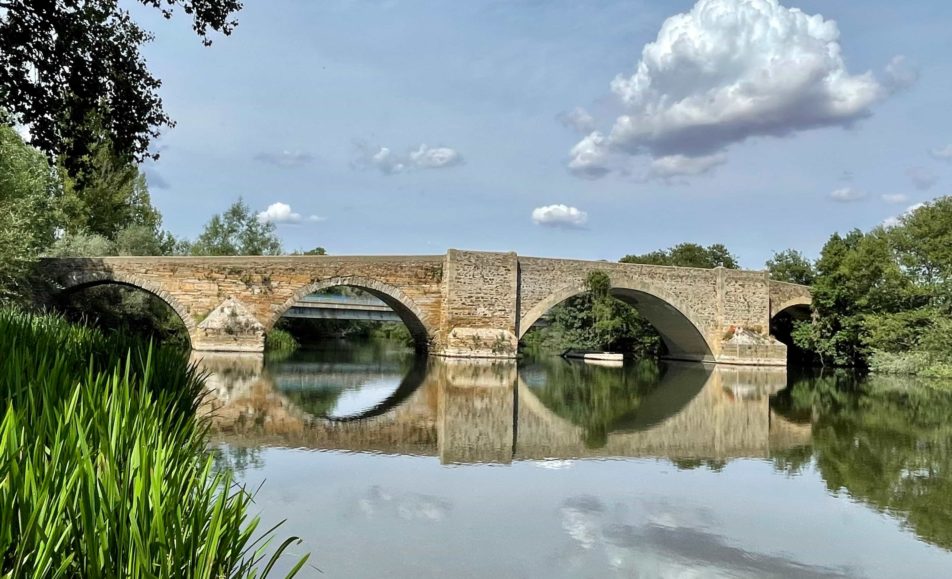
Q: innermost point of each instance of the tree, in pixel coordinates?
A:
(790, 266)
(109, 195)
(68, 67)
(687, 255)
(28, 189)
(237, 231)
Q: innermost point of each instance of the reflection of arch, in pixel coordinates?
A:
(678, 386)
(89, 279)
(392, 296)
(674, 320)
(407, 386)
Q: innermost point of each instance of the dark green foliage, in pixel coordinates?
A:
(28, 190)
(237, 231)
(71, 69)
(790, 266)
(687, 255)
(885, 292)
(103, 471)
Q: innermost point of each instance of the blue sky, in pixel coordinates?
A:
(412, 127)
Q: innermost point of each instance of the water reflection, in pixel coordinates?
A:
(466, 411)
(761, 473)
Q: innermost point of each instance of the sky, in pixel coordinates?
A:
(577, 129)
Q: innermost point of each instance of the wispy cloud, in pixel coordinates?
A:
(847, 195)
(286, 159)
(423, 157)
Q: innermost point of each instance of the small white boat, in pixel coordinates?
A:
(595, 356)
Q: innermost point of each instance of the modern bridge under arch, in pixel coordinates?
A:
(673, 321)
(408, 312)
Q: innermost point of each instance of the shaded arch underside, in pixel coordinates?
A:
(88, 280)
(396, 299)
(798, 309)
(681, 336)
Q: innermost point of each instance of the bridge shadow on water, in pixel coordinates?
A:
(471, 411)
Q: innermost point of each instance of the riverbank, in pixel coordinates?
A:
(103, 466)
(919, 364)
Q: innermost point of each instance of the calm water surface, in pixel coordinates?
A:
(391, 466)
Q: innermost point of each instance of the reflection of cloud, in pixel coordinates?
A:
(365, 397)
(407, 506)
(671, 541)
(551, 464)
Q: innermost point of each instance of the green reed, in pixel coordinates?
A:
(103, 469)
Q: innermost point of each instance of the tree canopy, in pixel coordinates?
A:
(237, 231)
(790, 266)
(69, 68)
(687, 255)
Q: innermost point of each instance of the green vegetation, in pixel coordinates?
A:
(280, 341)
(883, 299)
(688, 255)
(103, 470)
(237, 231)
(72, 71)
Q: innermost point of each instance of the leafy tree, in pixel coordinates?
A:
(109, 195)
(688, 255)
(69, 67)
(237, 231)
(790, 266)
(28, 189)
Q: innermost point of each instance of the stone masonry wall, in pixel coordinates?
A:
(479, 304)
(469, 304)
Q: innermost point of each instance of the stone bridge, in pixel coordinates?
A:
(461, 304)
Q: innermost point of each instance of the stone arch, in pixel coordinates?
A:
(799, 305)
(79, 281)
(409, 312)
(675, 321)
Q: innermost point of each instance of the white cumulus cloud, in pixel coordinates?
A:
(847, 195)
(942, 153)
(388, 162)
(897, 219)
(559, 215)
(729, 70)
(282, 213)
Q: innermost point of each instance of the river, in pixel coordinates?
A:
(387, 465)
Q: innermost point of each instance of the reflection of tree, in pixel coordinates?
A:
(886, 446)
(596, 398)
(315, 401)
(236, 458)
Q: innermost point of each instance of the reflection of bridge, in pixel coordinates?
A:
(334, 307)
(464, 412)
(461, 304)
